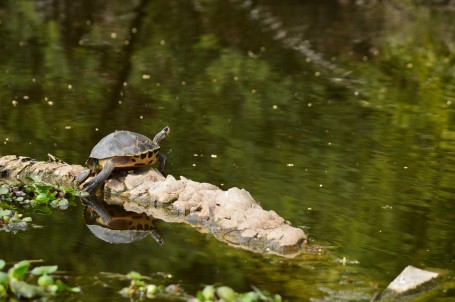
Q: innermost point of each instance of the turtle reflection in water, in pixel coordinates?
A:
(114, 224)
(122, 150)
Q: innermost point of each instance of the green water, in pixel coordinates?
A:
(339, 117)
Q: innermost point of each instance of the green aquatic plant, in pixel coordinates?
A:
(11, 220)
(140, 289)
(36, 195)
(19, 282)
(227, 294)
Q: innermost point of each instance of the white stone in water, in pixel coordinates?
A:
(410, 278)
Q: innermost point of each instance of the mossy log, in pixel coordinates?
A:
(232, 216)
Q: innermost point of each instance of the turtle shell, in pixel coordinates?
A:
(123, 143)
(129, 149)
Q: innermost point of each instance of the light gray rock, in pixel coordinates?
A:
(411, 281)
(411, 278)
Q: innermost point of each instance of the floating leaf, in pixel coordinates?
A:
(42, 198)
(250, 297)
(200, 296)
(277, 298)
(134, 275)
(4, 280)
(2, 263)
(208, 292)
(19, 270)
(4, 190)
(44, 270)
(45, 280)
(151, 290)
(23, 289)
(3, 292)
(34, 177)
(63, 287)
(42, 188)
(68, 190)
(29, 189)
(54, 203)
(53, 288)
(226, 293)
(5, 213)
(63, 203)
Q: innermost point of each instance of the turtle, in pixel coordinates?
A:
(122, 150)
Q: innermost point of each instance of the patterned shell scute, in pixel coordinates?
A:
(121, 143)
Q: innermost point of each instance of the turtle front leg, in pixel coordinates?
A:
(99, 179)
(162, 160)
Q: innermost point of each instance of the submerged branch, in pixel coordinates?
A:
(232, 216)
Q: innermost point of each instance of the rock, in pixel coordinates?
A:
(411, 280)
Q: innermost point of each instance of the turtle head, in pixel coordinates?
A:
(161, 135)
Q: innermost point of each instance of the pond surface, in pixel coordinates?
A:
(338, 116)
